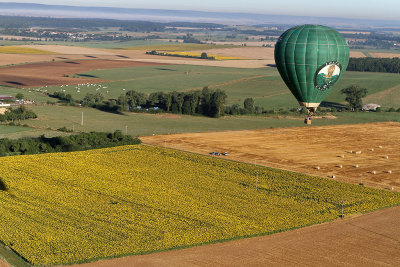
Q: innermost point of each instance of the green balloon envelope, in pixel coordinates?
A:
(310, 59)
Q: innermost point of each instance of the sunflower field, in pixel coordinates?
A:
(62, 208)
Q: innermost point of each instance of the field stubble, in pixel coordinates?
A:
(323, 151)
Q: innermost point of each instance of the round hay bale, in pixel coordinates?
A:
(389, 171)
(385, 157)
(371, 149)
(373, 172)
(341, 156)
(380, 146)
(340, 166)
(358, 152)
(356, 166)
(317, 167)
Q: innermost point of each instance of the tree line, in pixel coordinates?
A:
(370, 64)
(78, 142)
(20, 113)
(205, 102)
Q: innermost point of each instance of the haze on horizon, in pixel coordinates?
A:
(382, 10)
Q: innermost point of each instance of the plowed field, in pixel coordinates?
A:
(364, 153)
(55, 73)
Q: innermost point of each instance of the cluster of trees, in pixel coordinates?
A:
(63, 96)
(374, 39)
(96, 23)
(247, 109)
(390, 65)
(202, 56)
(189, 39)
(205, 102)
(20, 113)
(82, 141)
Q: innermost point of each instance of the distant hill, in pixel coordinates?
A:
(158, 15)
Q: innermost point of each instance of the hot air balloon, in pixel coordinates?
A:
(310, 60)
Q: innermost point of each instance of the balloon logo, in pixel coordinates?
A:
(310, 60)
(327, 75)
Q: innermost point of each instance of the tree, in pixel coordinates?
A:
(354, 95)
(204, 55)
(249, 105)
(19, 96)
(217, 103)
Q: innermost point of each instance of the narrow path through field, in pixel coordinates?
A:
(371, 239)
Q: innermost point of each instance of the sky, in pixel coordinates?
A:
(382, 9)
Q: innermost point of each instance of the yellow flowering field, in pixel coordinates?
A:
(22, 50)
(62, 208)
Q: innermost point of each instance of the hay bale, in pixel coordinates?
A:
(341, 156)
(385, 157)
(333, 176)
(350, 151)
(317, 167)
(356, 166)
(371, 149)
(340, 166)
(373, 172)
(389, 171)
(380, 146)
(358, 152)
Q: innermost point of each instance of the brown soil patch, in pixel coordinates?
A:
(305, 149)
(369, 240)
(4, 264)
(52, 73)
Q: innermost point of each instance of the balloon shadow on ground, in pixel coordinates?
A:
(3, 186)
(326, 104)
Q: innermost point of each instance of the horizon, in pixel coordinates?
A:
(237, 7)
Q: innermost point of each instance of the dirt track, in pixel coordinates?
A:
(368, 240)
(53, 73)
(318, 150)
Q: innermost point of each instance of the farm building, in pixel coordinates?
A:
(370, 107)
(6, 97)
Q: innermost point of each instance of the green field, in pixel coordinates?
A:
(64, 208)
(160, 78)
(265, 85)
(139, 124)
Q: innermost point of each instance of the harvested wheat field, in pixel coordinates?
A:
(368, 240)
(385, 55)
(257, 57)
(55, 73)
(363, 153)
(70, 50)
